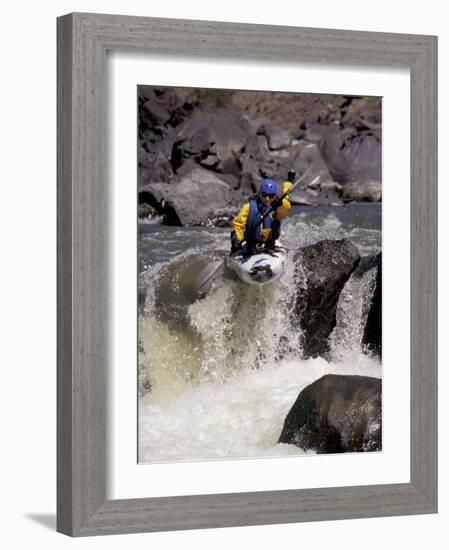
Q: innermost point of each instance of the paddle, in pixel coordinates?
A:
(208, 275)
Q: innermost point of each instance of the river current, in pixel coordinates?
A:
(218, 375)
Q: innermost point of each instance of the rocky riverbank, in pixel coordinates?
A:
(202, 152)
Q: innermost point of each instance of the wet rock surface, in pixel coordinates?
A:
(321, 271)
(372, 334)
(336, 414)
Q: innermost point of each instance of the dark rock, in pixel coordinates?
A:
(162, 100)
(258, 122)
(315, 197)
(231, 180)
(337, 414)
(316, 133)
(145, 210)
(231, 165)
(146, 93)
(317, 187)
(186, 168)
(180, 114)
(351, 155)
(308, 122)
(158, 114)
(372, 335)
(250, 166)
(221, 132)
(155, 168)
(366, 264)
(253, 156)
(363, 113)
(364, 153)
(263, 149)
(154, 153)
(370, 191)
(275, 169)
(321, 272)
(331, 147)
(211, 161)
(169, 98)
(258, 162)
(276, 136)
(248, 184)
(198, 198)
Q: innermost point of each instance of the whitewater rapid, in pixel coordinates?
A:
(219, 384)
(240, 418)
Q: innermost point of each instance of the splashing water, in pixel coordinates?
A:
(223, 378)
(352, 312)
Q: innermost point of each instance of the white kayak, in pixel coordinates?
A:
(261, 268)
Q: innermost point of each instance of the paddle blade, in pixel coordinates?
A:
(207, 277)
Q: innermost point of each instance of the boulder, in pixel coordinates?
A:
(144, 211)
(158, 114)
(363, 113)
(198, 198)
(231, 165)
(231, 180)
(337, 414)
(353, 155)
(158, 139)
(310, 155)
(317, 187)
(258, 162)
(308, 122)
(316, 197)
(256, 123)
(248, 184)
(316, 133)
(155, 168)
(321, 271)
(221, 132)
(372, 334)
(146, 92)
(253, 157)
(276, 136)
(370, 191)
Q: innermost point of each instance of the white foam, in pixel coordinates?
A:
(241, 418)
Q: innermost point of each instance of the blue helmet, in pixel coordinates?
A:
(268, 186)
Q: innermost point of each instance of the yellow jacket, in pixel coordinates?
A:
(240, 221)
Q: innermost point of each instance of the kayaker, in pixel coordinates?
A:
(252, 230)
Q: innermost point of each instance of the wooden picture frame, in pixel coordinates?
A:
(83, 40)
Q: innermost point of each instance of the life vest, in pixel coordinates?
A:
(254, 222)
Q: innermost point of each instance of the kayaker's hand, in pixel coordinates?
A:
(236, 246)
(235, 243)
(276, 203)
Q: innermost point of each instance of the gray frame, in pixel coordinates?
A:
(83, 40)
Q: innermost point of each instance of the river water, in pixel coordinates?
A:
(218, 375)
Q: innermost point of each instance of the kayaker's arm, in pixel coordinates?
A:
(284, 207)
(240, 221)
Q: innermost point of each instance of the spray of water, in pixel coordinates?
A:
(352, 312)
(222, 381)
